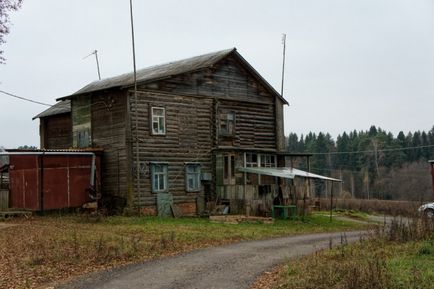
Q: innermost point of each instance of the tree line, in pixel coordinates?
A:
(373, 163)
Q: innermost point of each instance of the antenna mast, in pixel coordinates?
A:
(283, 63)
(95, 52)
(136, 104)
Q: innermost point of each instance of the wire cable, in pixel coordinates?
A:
(373, 151)
(25, 99)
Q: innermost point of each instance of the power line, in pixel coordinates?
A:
(373, 151)
(26, 99)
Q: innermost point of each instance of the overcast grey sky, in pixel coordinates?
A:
(350, 64)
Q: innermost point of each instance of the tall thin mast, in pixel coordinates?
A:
(135, 110)
(283, 62)
(97, 63)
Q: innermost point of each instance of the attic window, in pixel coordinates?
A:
(227, 123)
(158, 120)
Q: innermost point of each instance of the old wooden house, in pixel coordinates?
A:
(196, 122)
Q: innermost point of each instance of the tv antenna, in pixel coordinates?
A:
(95, 52)
(283, 62)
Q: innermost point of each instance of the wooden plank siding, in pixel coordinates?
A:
(254, 125)
(56, 131)
(81, 119)
(188, 138)
(109, 124)
(194, 102)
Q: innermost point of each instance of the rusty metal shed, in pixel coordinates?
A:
(42, 180)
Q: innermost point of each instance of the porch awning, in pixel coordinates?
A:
(285, 172)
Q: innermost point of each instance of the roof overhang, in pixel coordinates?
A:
(168, 70)
(286, 172)
(247, 149)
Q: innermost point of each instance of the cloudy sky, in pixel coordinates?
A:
(350, 64)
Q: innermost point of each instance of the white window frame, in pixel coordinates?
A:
(159, 120)
(194, 175)
(160, 175)
(267, 161)
(229, 124)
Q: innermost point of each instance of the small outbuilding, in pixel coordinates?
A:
(41, 180)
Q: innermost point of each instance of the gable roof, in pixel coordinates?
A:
(158, 72)
(63, 106)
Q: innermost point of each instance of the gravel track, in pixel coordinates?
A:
(231, 266)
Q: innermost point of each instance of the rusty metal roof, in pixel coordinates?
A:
(158, 72)
(63, 106)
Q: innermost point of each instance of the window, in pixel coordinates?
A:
(268, 161)
(192, 177)
(159, 177)
(83, 138)
(251, 160)
(229, 169)
(158, 120)
(227, 123)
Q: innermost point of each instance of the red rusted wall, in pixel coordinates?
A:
(64, 179)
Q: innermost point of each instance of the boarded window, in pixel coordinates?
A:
(227, 123)
(159, 177)
(158, 120)
(83, 138)
(192, 177)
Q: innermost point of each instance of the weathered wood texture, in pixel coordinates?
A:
(56, 131)
(4, 199)
(254, 125)
(109, 123)
(227, 79)
(81, 119)
(188, 138)
(235, 90)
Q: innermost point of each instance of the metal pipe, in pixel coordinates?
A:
(47, 153)
(136, 110)
(41, 182)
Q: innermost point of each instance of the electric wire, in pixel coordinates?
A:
(24, 98)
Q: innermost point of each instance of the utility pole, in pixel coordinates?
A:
(136, 111)
(283, 62)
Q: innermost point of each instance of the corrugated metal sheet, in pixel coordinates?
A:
(286, 172)
(162, 71)
(63, 106)
(46, 182)
(157, 72)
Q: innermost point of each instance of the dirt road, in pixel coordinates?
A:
(233, 266)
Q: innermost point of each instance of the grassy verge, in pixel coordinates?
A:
(46, 249)
(400, 257)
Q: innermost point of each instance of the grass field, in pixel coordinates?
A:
(47, 249)
(402, 257)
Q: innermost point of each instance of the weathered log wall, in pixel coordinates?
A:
(188, 138)
(109, 124)
(56, 131)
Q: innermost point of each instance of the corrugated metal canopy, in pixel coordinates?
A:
(59, 108)
(286, 172)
